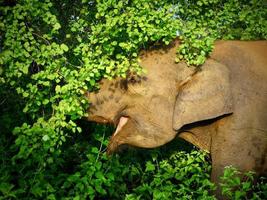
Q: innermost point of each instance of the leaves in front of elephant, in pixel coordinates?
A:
(172, 178)
(149, 166)
(231, 179)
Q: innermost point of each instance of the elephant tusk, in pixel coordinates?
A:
(122, 122)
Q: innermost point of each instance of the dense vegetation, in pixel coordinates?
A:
(52, 51)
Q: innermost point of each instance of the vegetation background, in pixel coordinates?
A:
(52, 51)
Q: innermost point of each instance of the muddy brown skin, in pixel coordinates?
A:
(220, 108)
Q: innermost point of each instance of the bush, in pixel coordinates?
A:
(234, 186)
(83, 171)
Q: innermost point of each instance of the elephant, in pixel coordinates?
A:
(219, 107)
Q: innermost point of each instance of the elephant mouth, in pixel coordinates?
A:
(122, 121)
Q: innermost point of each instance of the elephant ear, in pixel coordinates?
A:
(206, 95)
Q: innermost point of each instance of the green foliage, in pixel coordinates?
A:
(83, 171)
(204, 21)
(180, 176)
(52, 52)
(235, 187)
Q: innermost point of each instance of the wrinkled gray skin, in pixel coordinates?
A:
(221, 107)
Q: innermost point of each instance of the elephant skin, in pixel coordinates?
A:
(219, 107)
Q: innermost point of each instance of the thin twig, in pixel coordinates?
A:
(41, 38)
(99, 151)
(2, 102)
(157, 164)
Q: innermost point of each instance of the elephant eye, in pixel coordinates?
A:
(123, 84)
(134, 79)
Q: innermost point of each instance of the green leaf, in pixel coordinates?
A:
(25, 94)
(95, 150)
(45, 101)
(149, 166)
(79, 129)
(25, 69)
(45, 138)
(76, 198)
(57, 26)
(64, 47)
(58, 89)
(91, 190)
(6, 188)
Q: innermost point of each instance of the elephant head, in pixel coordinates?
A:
(149, 110)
